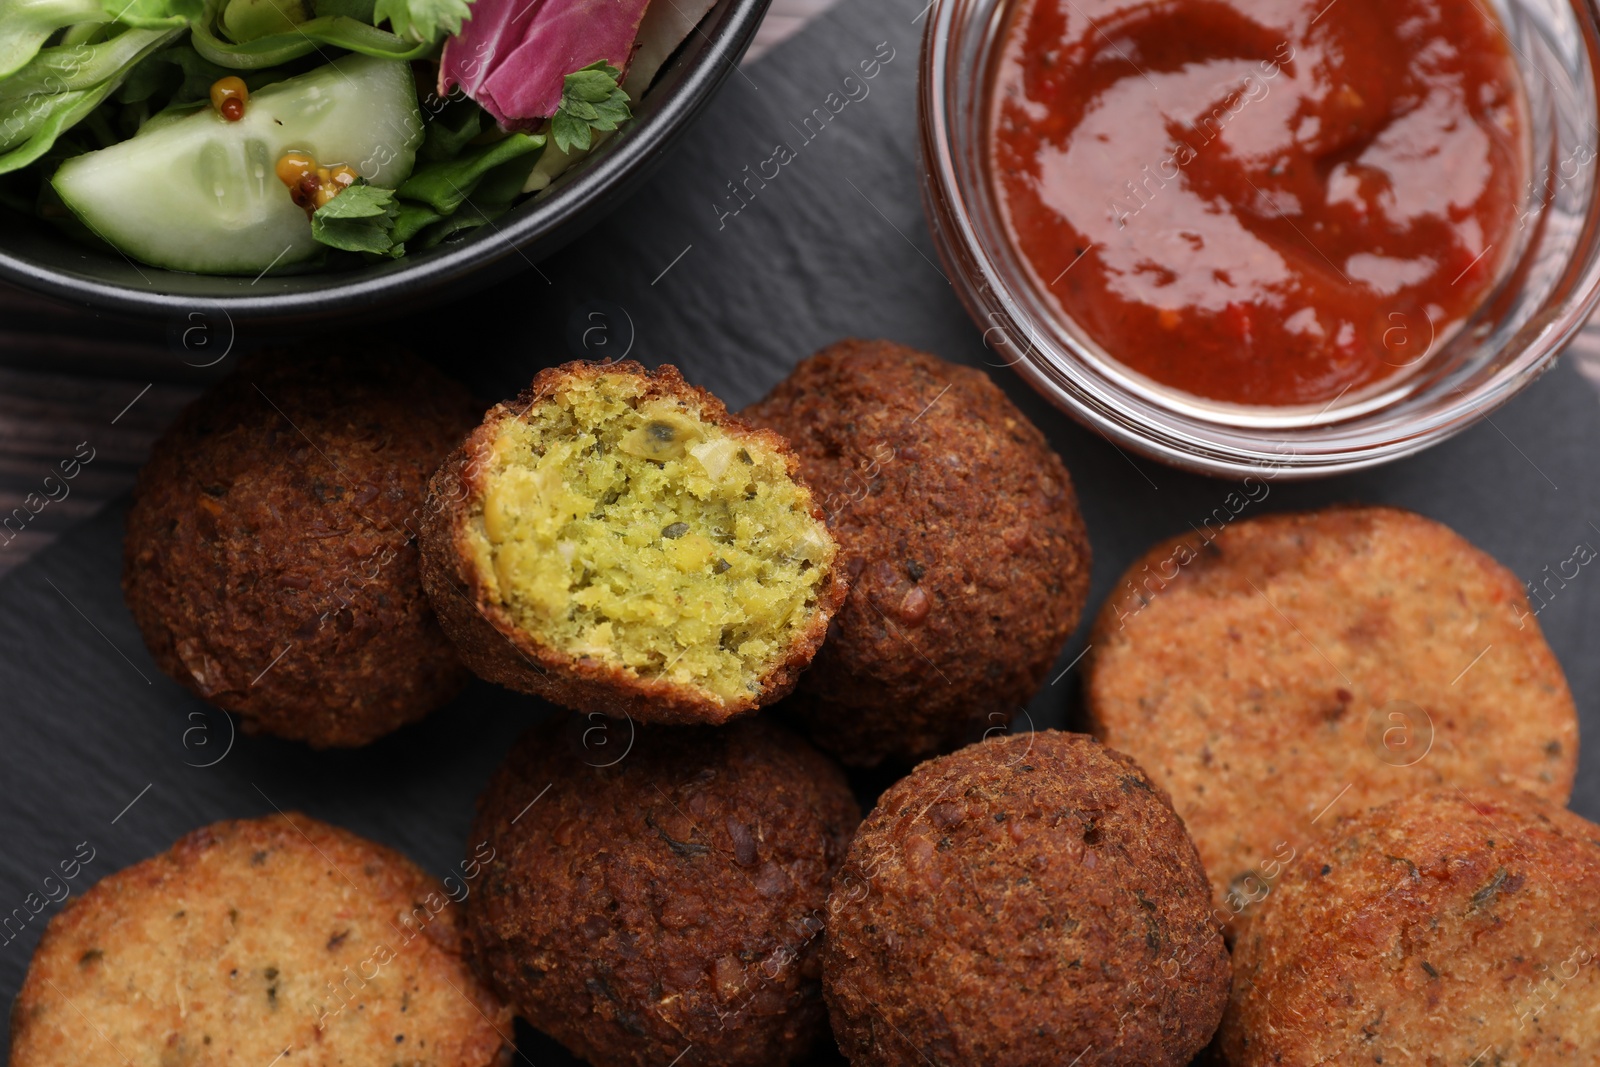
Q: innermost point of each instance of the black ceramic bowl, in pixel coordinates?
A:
(35, 255)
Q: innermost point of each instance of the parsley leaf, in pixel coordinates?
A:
(591, 99)
(422, 20)
(360, 219)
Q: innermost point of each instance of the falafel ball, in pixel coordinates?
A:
(1291, 665)
(1455, 926)
(270, 558)
(658, 896)
(616, 542)
(1026, 900)
(960, 531)
(252, 937)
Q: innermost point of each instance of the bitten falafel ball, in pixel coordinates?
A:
(270, 558)
(616, 542)
(960, 531)
(1024, 901)
(664, 902)
(254, 938)
(1300, 665)
(1456, 926)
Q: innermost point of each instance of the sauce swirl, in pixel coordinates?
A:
(1266, 202)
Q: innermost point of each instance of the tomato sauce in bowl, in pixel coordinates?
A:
(1260, 202)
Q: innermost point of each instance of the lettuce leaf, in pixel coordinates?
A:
(25, 25)
(61, 86)
(494, 196)
(338, 31)
(444, 184)
(154, 14)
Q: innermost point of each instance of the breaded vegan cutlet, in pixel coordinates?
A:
(1453, 927)
(1300, 666)
(1031, 900)
(615, 541)
(960, 531)
(256, 938)
(668, 907)
(270, 558)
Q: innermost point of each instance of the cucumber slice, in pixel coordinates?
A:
(200, 193)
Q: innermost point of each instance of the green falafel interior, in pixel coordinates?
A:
(622, 527)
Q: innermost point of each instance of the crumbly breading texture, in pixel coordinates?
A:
(670, 905)
(960, 531)
(627, 529)
(1333, 658)
(271, 559)
(251, 937)
(1452, 927)
(1023, 901)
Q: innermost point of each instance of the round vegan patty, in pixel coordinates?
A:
(250, 938)
(960, 531)
(616, 542)
(1024, 901)
(1450, 927)
(660, 897)
(1289, 668)
(270, 558)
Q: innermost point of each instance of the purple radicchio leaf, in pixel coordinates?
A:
(513, 56)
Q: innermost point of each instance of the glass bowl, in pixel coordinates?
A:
(1549, 288)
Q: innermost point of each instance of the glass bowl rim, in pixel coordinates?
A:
(1065, 374)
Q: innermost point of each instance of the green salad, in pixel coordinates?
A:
(241, 136)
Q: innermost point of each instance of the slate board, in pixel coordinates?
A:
(834, 246)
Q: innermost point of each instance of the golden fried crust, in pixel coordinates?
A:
(1352, 655)
(960, 531)
(251, 937)
(1023, 901)
(1453, 927)
(496, 648)
(669, 907)
(270, 559)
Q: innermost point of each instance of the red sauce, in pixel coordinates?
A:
(1260, 201)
